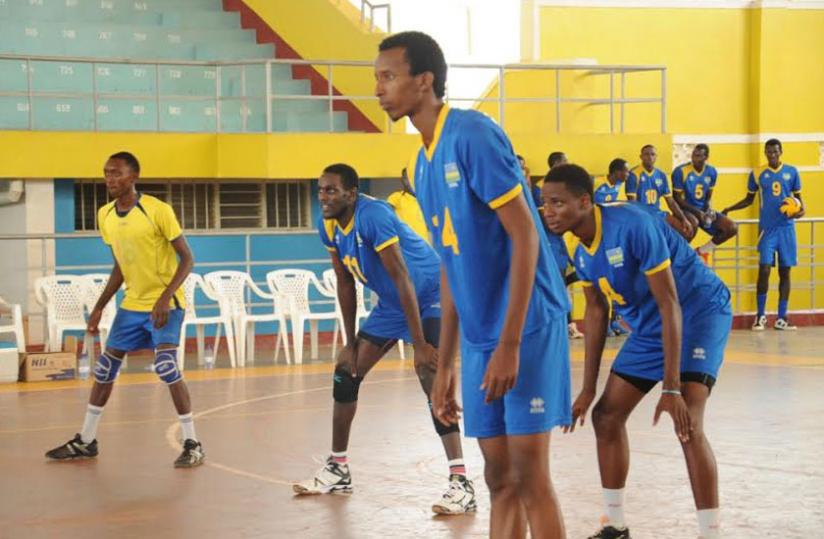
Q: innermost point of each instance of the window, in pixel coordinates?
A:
(210, 205)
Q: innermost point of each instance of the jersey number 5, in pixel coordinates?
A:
(699, 191)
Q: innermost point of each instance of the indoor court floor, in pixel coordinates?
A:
(265, 426)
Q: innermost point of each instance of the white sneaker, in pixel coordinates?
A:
(760, 323)
(332, 478)
(459, 498)
(573, 331)
(781, 324)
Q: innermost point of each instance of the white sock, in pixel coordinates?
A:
(708, 523)
(89, 432)
(187, 426)
(340, 457)
(614, 506)
(707, 248)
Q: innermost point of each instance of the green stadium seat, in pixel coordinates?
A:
(134, 79)
(127, 115)
(187, 115)
(13, 76)
(14, 112)
(62, 114)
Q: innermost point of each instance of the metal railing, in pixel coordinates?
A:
(737, 260)
(372, 7)
(215, 101)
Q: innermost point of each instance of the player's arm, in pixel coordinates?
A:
(392, 260)
(596, 318)
(112, 286)
(160, 312)
(680, 198)
(741, 204)
(517, 221)
(444, 404)
(662, 286)
(631, 187)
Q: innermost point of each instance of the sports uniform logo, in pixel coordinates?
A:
(536, 406)
(451, 174)
(358, 239)
(615, 257)
(699, 353)
(786, 175)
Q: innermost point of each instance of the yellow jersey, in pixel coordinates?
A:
(409, 211)
(141, 244)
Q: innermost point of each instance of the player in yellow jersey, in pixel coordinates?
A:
(152, 258)
(407, 208)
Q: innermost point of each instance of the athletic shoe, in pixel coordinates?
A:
(459, 498)
(74, 449)
(191, 456)
(573, 331)
(608, 532)
(781, 324)
(333, 477)
(760, 323)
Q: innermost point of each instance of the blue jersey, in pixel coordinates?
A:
(607, 192)
(633, 241)
(648, 187)
(373, 228)
(774, 185)
(468, 172)
(695, 186)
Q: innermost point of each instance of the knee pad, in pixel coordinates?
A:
(106, 368)
(345, 387)
(440, 428)
(165, 366)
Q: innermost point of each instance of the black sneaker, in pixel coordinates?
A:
(191, 456)
(74, 449)
(608, 532)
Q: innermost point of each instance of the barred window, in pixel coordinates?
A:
(210, 205)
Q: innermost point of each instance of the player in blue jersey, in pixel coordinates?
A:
(498, 281)
(628, 254)
(648, 185)
(557, 244)
(610, 188)
(774, 182)
(692, 186)
(368, 242)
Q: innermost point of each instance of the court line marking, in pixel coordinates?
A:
(172, 430)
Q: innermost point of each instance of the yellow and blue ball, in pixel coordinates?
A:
(790, 206)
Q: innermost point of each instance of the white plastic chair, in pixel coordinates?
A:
(92, 285)
(232, 285)
(330, 281)
(16, 324)
(294, 285)
(62, 298)
(190, 285)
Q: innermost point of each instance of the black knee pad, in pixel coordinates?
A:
(345, 387)
(440, 428)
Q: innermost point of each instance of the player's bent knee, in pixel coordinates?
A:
(166, 367)
(345, 387)
(442, 429)
(106, 368)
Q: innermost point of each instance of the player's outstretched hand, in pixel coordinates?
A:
(160, 312)
(94, 321)
(348, 358)
(579, 409)
(502, 371)
(444, 405)
(426, 357)
(675, 406)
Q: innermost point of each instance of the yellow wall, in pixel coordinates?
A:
(328, 29)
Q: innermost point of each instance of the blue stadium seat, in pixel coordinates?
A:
(234, 51)
(72, 77)
(13, 76)
(14, 112)
(134, 79)
(62, 113)
(188, 80)
(187, 115)
(127, 115)
(232, 112)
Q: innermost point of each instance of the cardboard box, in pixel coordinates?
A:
(48, 366)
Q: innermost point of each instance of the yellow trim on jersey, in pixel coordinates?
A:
(586, 283)
(331, 249)
(775, 169)
(596, 241)
(506, 197)
(438, 128)
(329, 227)
(348, 228)
(660, 267)
(387, 243)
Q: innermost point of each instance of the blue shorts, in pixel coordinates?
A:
(704, 338)
(133, 330)
(710, 229)
(389, 322)
(781, 241)
(540, 399)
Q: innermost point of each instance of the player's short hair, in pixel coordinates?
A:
(129, 159)
(423, 54)
(616, 165)
(645, 146)
(554, 158)
(348, 175)
(702, 146)
(576, 179)
(773, 142)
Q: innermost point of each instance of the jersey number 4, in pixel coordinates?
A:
(448, 237)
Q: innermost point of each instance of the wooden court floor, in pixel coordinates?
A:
(265, 426)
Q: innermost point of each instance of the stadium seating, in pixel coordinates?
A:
(72, 95)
